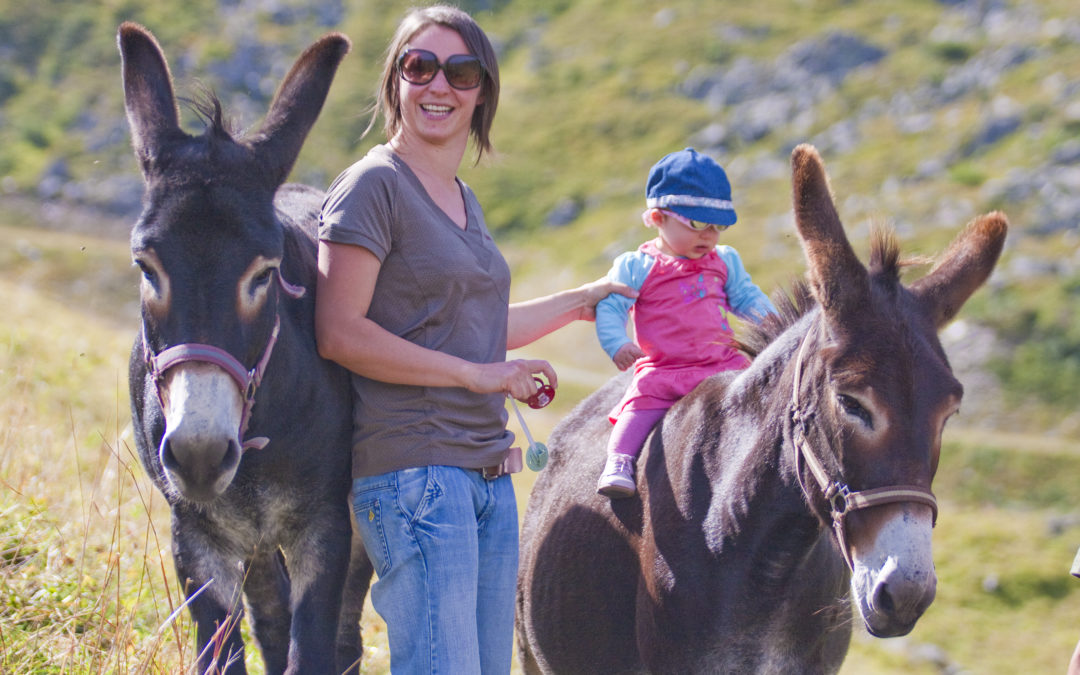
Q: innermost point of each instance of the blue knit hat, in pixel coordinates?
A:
(692, 185)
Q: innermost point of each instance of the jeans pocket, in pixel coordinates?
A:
(416, 488)
(369, 523)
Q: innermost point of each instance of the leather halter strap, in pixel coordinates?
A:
(842, 500)
(247, 380)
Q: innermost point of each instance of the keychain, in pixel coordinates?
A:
(537, 454)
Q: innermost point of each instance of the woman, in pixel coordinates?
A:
(413, 298)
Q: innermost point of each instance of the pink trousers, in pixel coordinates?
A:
(631, 429)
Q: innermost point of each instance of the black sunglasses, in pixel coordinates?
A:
(419, 66)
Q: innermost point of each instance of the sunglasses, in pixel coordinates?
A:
(419, 66)
(693, 224)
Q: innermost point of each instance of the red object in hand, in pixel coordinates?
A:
(544, 395)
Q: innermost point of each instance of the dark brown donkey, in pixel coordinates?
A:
(242, 426)
(765, 494)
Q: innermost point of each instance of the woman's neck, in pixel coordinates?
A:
(436, 168)
(433, 162)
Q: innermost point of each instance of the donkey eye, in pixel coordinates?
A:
(263, 278)
(852, 407)
(147, 273)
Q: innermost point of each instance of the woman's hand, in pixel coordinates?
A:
(627, 355)
(596, 291)
(511, 377)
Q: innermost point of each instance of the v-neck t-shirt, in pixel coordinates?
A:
(439, 286)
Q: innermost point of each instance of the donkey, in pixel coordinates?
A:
(764, 492)
(239, 422)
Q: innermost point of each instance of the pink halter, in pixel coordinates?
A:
(247, 380)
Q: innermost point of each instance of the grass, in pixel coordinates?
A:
(85, 585)
(592, 96)
(86, 574)
(87, 579)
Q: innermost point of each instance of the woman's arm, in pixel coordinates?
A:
(346, 284)
(533, 319)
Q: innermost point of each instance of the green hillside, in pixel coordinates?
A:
(927, 113)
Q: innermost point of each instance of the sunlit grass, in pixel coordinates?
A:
(87, 581)
(85, 572)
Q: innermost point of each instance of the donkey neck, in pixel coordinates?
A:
(746, 473)
(743, 555)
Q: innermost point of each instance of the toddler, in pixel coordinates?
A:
(687, 287)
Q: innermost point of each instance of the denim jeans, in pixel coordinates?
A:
(444, 542)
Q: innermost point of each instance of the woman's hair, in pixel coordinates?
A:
(388, 95)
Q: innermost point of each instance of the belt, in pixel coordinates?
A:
(511, 464)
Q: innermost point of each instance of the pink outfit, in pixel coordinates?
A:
(681, 323)
(632, 428)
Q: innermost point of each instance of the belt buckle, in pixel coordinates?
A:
(511, 464)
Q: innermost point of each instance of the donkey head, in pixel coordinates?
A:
(879, 390)
(210, 246)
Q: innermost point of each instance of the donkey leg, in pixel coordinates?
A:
(267, 591)
(318, 561)
(350, 647)
(212, 588)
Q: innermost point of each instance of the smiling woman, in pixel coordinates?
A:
(413, 298)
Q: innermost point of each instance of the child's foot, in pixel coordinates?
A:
(617, 481)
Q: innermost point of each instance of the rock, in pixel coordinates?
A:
(564, 213)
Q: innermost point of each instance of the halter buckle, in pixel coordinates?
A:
(838, 496)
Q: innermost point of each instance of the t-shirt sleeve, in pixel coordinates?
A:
(358, 208)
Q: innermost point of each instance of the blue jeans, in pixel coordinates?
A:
(444, 542)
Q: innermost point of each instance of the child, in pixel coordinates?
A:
(687, 286)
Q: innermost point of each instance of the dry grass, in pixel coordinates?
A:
(87, 583)
(85, 571)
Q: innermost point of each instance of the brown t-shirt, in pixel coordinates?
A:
(440, 287)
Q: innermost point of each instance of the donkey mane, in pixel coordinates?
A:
(796, 301)
(207, 106)
(219, 148)
(791, 304)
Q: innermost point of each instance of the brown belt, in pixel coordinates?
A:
(511, 464)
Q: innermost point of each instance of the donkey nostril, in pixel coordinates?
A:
(168, 458)
(231, 459)
(883, 600)
(200, 469)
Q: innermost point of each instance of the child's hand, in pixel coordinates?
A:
(627, 355)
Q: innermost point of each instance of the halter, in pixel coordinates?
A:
(842, 500)
(247, 380)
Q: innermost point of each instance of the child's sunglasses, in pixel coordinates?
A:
(693, 224)
(419, 66)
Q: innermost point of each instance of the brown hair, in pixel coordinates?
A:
(388, 95)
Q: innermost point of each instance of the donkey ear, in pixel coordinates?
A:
(297, 104)
(838, 281)
(964, 266)
(148, 93)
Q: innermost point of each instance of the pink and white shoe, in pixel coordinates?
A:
(617, 481)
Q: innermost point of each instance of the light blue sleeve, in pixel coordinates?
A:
(746, 299)
(613, 312)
